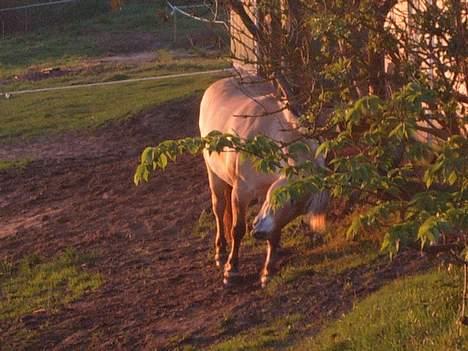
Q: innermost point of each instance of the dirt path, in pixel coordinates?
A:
(161, 287)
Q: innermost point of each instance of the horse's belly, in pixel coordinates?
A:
(231, 170)
(222, 165)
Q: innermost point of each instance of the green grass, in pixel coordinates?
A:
(264, 337)
(114, 72)
(410, 314)
(53, 112)
(35, 284)
(414, 313)
(18, 164)
(69, 44)
(205, 225)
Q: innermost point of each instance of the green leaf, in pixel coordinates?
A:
(322, 149)
(429, 231)
(298, 147)
(162, 161)
(452, 178)
(147, 155)
(354, 228)
(138, 175)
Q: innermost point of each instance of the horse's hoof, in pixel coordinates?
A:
(264, 279)
(220, 260)
(231, 278)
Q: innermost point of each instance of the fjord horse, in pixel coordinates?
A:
(249, 110)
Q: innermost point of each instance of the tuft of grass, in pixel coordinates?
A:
(269, 336)
(164, 56)
(414, 313)
(329, 259)
(32, 115)
(205, 224)
(36, 284)
(17, 164)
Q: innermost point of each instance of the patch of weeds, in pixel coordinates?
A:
(297, 235)
(175, 341)
(330, 258)
(414, 313)
(36, 283)
(205, 225)
(187, 348)
(336, 265)
(17, 164)
(265, 337)
(6, 268)
(226, 322)
(287, 275)
(117, 77)
(164, 56)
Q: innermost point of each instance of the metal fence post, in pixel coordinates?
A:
(175, 26)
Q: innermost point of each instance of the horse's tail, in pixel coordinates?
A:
(317, 217)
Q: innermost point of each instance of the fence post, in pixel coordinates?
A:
(175, 26)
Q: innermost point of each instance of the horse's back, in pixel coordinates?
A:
(246, 110)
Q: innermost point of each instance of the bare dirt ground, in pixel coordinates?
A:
(161, 287)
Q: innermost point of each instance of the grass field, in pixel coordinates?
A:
(415, 313)
(135, 28)
(53, 112)
(36, 283)
(71, 47)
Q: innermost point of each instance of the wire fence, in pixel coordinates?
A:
(205, 11)
(225, 71)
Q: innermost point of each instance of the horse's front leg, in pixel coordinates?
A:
(220, 195)
(272, 252)
(239, 203)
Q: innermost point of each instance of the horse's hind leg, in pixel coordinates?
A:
(240, 200)
(219, 189)
(227, 219)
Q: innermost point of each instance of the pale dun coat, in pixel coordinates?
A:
(248, 110)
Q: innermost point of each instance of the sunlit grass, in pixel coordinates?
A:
(269, 336)
(35, 283)
(108, 72)
(414, 313)
(59, 111)
(18, 164)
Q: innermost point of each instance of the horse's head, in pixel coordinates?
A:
(271, 220)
